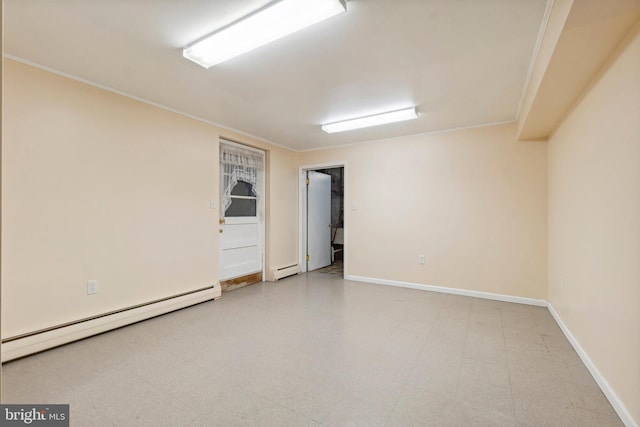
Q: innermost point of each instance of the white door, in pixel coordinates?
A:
(241, 238)
(240, 247)
(318, 220)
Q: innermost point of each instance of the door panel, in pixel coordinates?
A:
(318, 220)
(239, 235)
(239, 261)
(240, 247)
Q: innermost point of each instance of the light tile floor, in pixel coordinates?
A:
(315, 350)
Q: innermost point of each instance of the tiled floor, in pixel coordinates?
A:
(314, 350)
(335, 268)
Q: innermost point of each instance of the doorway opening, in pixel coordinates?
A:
(242, 216)
(323, 218)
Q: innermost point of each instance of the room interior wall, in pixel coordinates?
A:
(282, 208)
(100, 186)
(594, 227)
(474, 198)
(1, 84)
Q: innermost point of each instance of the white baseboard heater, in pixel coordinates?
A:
(34, 342)
(282, 272)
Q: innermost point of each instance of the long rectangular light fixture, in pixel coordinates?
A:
(375, 120)
(275, 21)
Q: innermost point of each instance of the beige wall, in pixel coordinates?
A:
(282, 210)
(1, 79)
(472, 201)
(594, 224)
(100, 186)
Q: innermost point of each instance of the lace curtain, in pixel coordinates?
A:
(241, 164)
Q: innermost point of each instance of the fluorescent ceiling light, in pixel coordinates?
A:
(276, 20)
(375, 120)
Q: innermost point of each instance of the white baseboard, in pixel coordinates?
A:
(42, 341)
(611, 395)
(608, 391)
(454, 291)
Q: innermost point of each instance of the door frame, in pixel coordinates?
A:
(261, 223)
(302, 210)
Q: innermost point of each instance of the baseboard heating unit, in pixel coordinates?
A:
(281, 273)
(34, 342)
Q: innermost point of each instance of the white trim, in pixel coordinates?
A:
(139, 99)
(454, 291)
(302, 210)
(326, 165)
(534, 55)
(263, 223)
(302, 220)
(45, 340)
(227, 128)
(608, 391)
(224, 140)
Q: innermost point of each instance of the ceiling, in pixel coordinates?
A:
(463, 63)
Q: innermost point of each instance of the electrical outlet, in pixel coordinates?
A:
(421, 259)
(92, 287)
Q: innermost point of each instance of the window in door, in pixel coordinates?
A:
(244, 201)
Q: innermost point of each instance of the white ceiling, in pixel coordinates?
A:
(461, 62)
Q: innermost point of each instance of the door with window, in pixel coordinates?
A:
(242, 212)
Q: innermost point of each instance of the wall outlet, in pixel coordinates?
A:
(92, 287)
(421, 259)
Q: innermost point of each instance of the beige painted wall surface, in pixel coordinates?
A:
(1, 79)
(282, 210)
(594, 224)
(472, 201)
(100, 186)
